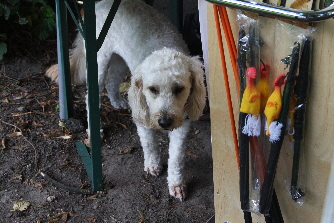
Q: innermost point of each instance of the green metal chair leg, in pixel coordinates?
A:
(176, 13)
(92, 160)
(93, 95)
(65, 91)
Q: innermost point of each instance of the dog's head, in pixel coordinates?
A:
(165, 88)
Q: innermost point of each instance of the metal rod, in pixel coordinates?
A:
(176, 13)
(107, 23)
(93, 94)
(278, 11)
(79, 26)
(65, 91)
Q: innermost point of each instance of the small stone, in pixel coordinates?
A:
(51, 198)
(21, 108)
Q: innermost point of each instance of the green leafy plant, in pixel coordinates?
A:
(57, 107)
(5, 10)
(37, 16)
(47, 24)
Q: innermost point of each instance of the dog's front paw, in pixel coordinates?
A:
(153, 169)
(179, 191)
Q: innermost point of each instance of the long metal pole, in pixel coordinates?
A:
(65, 91)
(93, 94)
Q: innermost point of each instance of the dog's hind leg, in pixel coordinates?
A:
(116, 73)
(176, 185)
(152, 163)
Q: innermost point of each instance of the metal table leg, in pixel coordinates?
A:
(65, 91)
(91, 158)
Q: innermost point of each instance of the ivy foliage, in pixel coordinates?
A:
(36, 15)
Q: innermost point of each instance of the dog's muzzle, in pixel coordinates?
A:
(165, 122)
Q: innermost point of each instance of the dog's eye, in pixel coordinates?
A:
(154, 90)
(177, 90)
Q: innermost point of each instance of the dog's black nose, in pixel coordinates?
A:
(165, 123)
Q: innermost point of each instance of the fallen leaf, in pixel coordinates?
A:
(63, 215)
(124, 87)
(52, 134)
(59, 136)
(48, 135)
(122, 114)
(18, 98)
(65, 136)
(62, 124)
(5, 100)
(191, 154)
(5, 94)
(92, 197)
(22, 124)
(30, 96)
(121, 124)
(53, 220)
(142, 219)
(3, 144)
(125, 150)
(15, 134)
(20, 114)
(91, 219)
(36, 124)
(21, 206)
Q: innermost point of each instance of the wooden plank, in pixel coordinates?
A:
(319, 132)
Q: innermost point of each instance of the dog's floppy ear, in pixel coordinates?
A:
(196, 99)
(137, 101)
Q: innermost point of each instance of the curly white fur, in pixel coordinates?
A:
(166, 85)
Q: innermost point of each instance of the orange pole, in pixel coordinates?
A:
(230, 44)
(226, 82)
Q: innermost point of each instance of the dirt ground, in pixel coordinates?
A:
(31, 141)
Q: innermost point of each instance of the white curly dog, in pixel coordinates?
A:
(167, 89)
